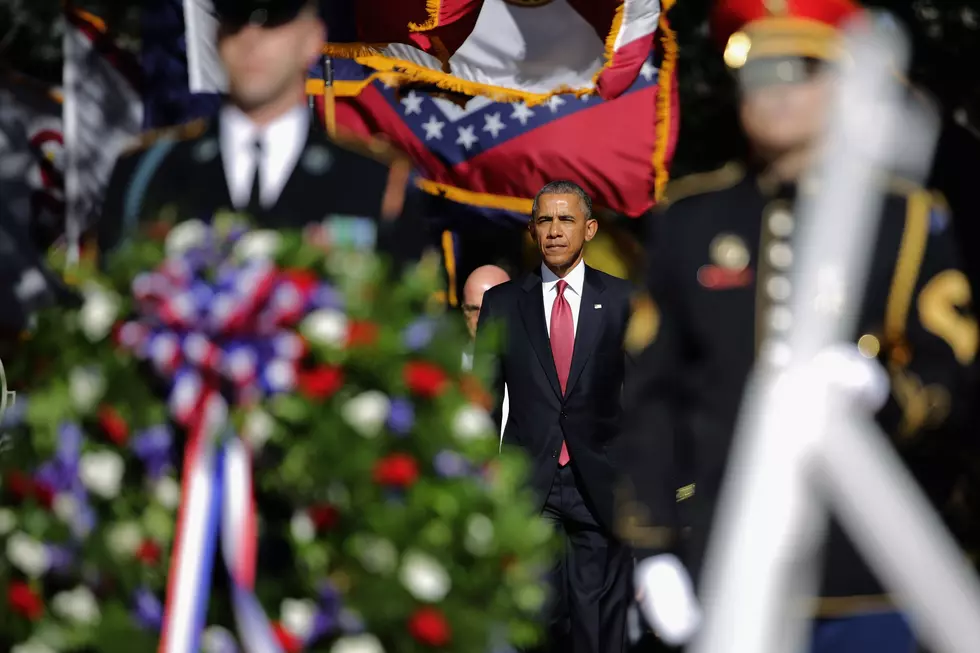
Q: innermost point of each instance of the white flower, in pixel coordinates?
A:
(326, 326)
(124, 538)
(472, 422)
(302, 527)
(365, 643)
(28, 555)
(378, 555)
(258, 428)
(366, 413)
(261, 244)
(78, 605)
(101, 472)
(424, 577)
(99, 312)
(167, 492)
(32, 646)
(65, 507)
(184, 236)
(8, 520)
(479, 534)
(298, 617)
(216, 639)
(86, 385)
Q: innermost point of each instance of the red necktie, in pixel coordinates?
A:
(562, 345)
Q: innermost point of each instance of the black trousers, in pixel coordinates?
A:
(591, 581)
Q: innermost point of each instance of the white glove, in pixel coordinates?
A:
(863, 378)
(666, 598)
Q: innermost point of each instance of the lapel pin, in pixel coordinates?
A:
(206, 150)
(597, 306)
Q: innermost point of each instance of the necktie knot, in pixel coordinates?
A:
(562, 284)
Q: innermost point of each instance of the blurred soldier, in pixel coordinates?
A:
(263, 154)
(720, 272)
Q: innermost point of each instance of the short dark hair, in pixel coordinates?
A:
(563, 187)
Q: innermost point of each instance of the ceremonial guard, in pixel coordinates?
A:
(264, 154)
(721, 261)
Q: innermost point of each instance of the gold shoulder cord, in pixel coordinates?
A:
(703, 182)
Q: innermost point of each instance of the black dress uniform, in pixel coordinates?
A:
(181, 170)
(720, 262)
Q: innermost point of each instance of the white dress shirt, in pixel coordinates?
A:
(573, 293)
(468, 366)
(282, 141)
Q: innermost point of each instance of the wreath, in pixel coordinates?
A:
(253, 440)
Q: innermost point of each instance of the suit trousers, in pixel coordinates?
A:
(590, 583)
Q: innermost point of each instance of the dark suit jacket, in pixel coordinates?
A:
(587, 417)
(331, 177)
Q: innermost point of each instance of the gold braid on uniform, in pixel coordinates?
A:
(633, 522)
(923, 406)
(703, 182)
(183, 132)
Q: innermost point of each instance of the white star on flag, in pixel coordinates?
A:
(521, 113)
(492, 124)
(413, 103)
(433, 128)
(648, 70)
(554, 102)
(466, 137)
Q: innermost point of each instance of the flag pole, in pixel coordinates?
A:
(329, 106)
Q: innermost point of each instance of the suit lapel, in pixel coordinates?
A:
(589, 326)
(532, 312)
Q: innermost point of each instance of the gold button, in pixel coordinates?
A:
(780, 318)
(780, 255)
(869, 346)
(781, 223)
(778, 288)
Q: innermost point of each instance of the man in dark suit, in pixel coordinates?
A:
(263, 154)
(563, 362)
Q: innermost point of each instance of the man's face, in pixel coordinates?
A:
(560, 230)
(264, 62)
(781, 117)
(472, 303)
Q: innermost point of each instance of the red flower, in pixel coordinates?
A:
(288, 641)
(24, 601)
(304, 280)
(361, 333)
(397, 470)
(322, 382)
(429, 626)
(114, 425)
(425, 379)
(25, 487)
(148, 553)
(324, 516)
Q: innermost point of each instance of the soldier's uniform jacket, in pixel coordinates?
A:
(332, 179)
(719, 277)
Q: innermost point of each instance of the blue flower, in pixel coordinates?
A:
(450, 464)
(147, 609)
(401, 416)
(153, 447)
(419, 333)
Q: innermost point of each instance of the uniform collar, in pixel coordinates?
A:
(291, 127)
(575, 278)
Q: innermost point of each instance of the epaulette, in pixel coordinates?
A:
(183, 132)
(372, 148)
(703, 182)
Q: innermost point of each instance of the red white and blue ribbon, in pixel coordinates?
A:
(202, 334)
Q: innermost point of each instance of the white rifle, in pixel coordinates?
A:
(807, 440)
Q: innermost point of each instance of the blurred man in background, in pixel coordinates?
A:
(263, 154)
(722, 257)
(479, 282)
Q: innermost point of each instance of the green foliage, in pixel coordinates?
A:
(378, 473)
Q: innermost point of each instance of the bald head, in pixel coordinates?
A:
(481, 280)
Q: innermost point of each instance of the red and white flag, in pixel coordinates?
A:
(103, 112)
(508, 50)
